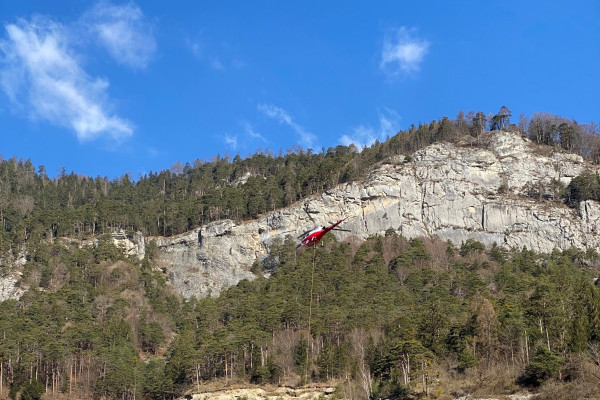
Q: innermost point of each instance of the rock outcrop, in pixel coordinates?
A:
(10, 275)
(205, 261)
(133, 245)
(9, 289)
(452, 192)
(265, 393)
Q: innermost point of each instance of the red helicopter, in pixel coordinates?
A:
(313, 237)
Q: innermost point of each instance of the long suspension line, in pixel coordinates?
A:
(312, 279)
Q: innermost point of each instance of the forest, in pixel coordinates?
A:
(383, 318)
(34, 206)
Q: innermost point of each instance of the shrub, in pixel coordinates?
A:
(32, 390)
(470, 246)
(583, 187)
(466, 360)
(543, 366)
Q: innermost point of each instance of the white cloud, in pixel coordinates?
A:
(123, 31)
(402, 53)
(364, 136)
(231, 141)
(361, 137)
(40, 72)
(388, 123)
(306, 138)
(249, 130)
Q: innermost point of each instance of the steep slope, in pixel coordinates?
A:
(452, 192)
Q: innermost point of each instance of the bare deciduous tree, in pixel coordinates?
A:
(359, 338)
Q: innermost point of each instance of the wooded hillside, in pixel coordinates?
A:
(387, 317)
(34, 206)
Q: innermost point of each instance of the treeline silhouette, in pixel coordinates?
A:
(34, 206)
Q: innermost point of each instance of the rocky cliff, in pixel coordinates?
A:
(265, 393)
(449, 191)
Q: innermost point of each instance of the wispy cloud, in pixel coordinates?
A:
(196, 48)
(402, 52)
(305, 138)
(123, 31)
(231, 141)
(249, 130)
(245, 139)
(363, 136)
(216, 64)
(41, 73)
(219, 56)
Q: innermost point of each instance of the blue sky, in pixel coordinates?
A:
(109, 88)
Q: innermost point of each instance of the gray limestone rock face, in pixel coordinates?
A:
(205, 261)
(9, 289)
(454, 193)
(10, 275)
(131, 246)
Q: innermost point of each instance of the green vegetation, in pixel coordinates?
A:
(389, 317)
(583, 187)
(392, 316)
(36, 207)
(543, 366)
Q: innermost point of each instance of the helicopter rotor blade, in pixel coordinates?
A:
(308, 212)
(300, 236)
